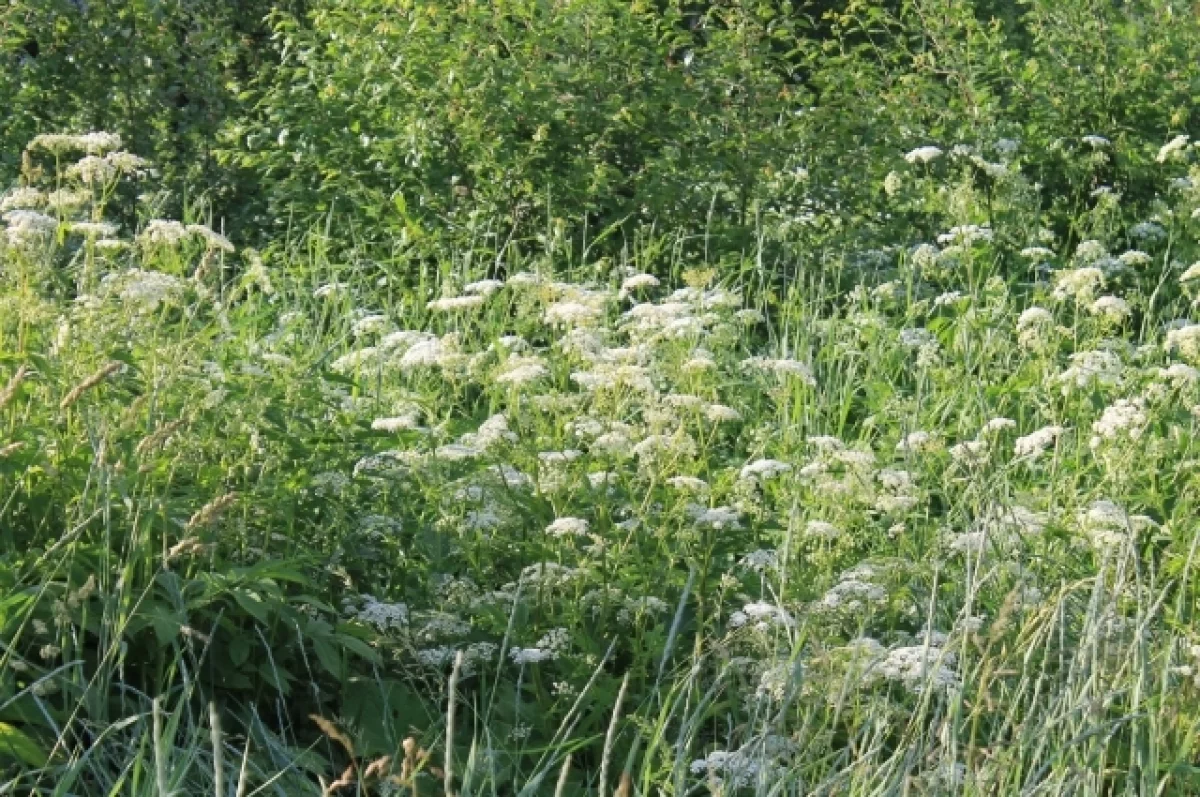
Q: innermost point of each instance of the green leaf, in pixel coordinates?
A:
(329, 657)
(15, 743)
(239, 649)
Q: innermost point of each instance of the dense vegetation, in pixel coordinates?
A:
(567, 398)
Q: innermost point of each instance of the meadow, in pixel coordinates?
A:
(831, 494)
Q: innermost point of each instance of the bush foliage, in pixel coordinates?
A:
(575, 397)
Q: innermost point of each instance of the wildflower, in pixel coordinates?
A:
(1134, 258)
(1106, 524)
(761, 616)
(1034, 328)
(568, 527)
(127, 163)
(719, 517)
(1125, 418)
(1186, 341)
(688, 484)
(330, 289)
(1092, 369)
(456, 452)
(483, 287)
(737, 769)
(763, 470)
(147, 289)
(165, 232)
(1079, 284)
(783, 367)
(28, 227)
(384, 616)
(1171, 149)
(1033, 445)
(719, 413)
(997, 425)
(1147, 231)
(92, 170)
(660, 446)
(58, 143)
(916, 338)
(22, 198)
(639, 281)
(921, 667)
(1039, 253)
(919, 442)
(1112, 308)
(966, 235)
(571, 314)
(1180, 374)
(424, 354)
(970, 452)
(563, 457)
(822, 530)
(397, 423)
(448, 304)
(855, 590)
(750, 316)
(94, 229)
(926, 154)
(522, 371)
(760, 561)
